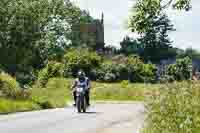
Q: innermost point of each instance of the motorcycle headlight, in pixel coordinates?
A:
(79, 89)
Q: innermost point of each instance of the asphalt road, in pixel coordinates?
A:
(100, 118)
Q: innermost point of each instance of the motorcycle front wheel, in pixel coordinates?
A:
(78, 104)
(84, 104)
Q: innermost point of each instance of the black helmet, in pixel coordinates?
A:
(81, 74)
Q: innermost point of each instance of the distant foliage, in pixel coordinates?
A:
(130, 46)
(108, 72)
(189, 52)
(151, 23)
(140, 72)
(181, 70)
(129, 68)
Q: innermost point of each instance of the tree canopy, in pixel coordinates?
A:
(151, 22)
(34, 31)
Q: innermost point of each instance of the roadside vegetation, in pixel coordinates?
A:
(40, 56)
(51, 89)
(12, 106)
(12, 97)
(123, 91)
(175, 109)
(57, 93)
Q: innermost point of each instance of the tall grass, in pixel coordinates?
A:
(175, 110)
(10, 105)
(9, 87)
(122, 91)
(54, 95)
(57, 92)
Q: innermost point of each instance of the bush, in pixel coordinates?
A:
(181, 70)
(9, 87)
(43, 102)
(123, 71)
(140, 72)
(81, 59)
(119, 68)
(108, 72)
(25, 78)
(53, 69)
(124, 83)
(131, 68)
(175, 110)
(110, 77)
(149, 73)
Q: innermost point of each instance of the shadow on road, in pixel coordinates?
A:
(91, 112)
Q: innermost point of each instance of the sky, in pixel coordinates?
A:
(116, 13)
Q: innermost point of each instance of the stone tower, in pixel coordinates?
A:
(96, 27)
(100, 33)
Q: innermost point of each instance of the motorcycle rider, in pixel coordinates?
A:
(82, 79)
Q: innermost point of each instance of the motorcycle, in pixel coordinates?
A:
(80, 100)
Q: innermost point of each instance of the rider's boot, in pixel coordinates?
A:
(87, 98)
(74, 95)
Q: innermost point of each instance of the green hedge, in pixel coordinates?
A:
(132, 69)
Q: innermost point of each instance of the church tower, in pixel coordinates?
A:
(102, 18)
(99, 24)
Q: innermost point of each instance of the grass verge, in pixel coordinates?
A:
(121, 91)
(57, 92)
(9, 106)
(54, 95)
(175, 110)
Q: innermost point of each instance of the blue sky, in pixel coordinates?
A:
(116, 14)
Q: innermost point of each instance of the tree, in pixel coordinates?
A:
(130, 46)
(20, 28)
(23, 26)
(157, 45)
(152, 24)
(189, 52)
(56, 38)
